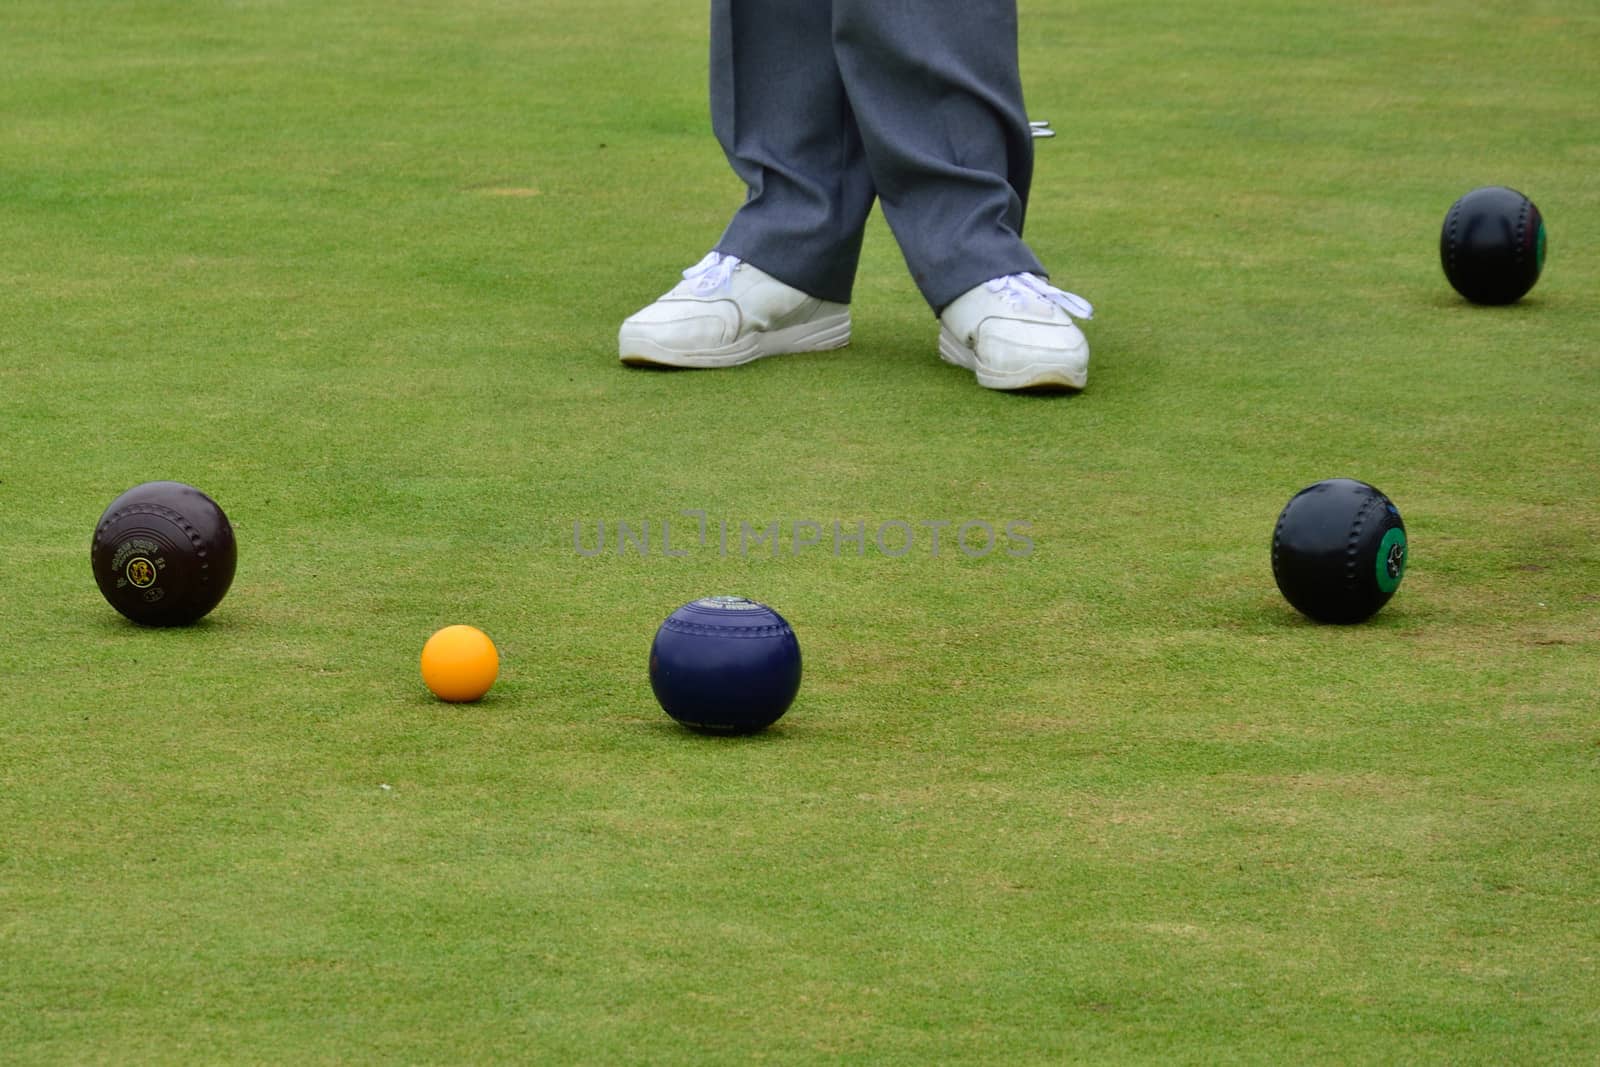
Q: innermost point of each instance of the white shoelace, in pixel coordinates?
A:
(712, 273)
(1018, 289)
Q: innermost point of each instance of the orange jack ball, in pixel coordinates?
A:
(459, 663)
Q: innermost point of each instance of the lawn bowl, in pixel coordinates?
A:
(1492, 245)
(1339, 551)
(725, 665)
(163, 554)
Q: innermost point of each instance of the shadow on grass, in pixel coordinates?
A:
(1286, 618)
(112, 624)
(671, 731)
(1043, 392)
(1449, 300)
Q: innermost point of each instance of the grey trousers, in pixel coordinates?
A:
(823, 106)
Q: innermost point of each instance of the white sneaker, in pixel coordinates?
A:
(726, 312)
(1017, 332)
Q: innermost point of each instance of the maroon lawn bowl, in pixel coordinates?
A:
(163, 554)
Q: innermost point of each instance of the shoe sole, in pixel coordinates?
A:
(1033, 376)
(820, 335)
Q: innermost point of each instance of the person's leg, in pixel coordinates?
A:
(937, 97)
(779, 109)
(779, 279)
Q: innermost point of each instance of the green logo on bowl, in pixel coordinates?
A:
(1391, 563)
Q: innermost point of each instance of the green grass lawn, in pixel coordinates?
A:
(356, 270)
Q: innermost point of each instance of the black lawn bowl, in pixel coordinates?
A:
(1339, 551)
(1492, 245)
